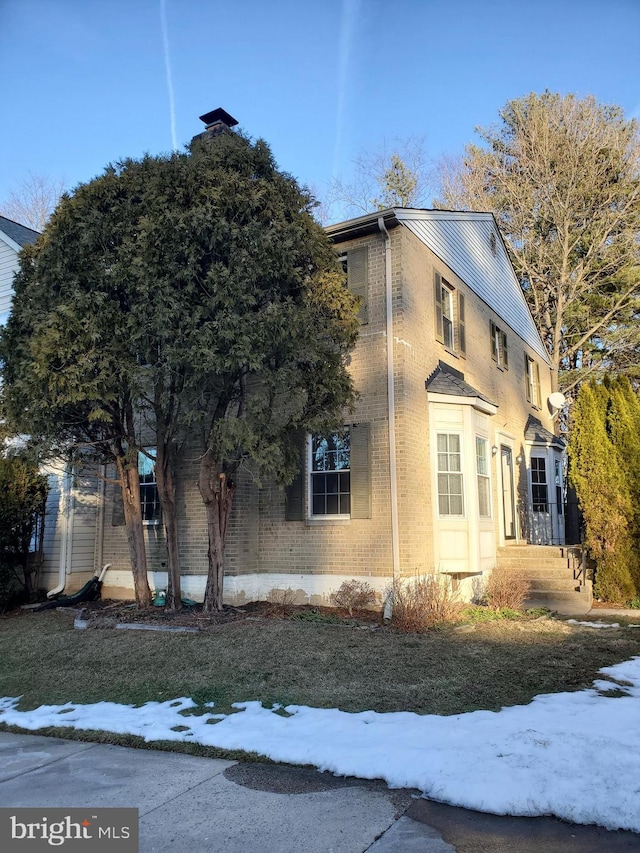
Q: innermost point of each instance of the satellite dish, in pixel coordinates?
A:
(556, 401)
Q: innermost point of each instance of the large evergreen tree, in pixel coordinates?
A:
(562, 176)
(603, 455)
(188, 295)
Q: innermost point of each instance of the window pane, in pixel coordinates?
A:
(146, 466)
(443, 462)
(318, 505)
(443, 444)
(345, 504)
(443, 505)
(331, 453)
(484, 510)
(455, 484)
(456, 505)
(454, 443)
(332, 504)
(331, 481)
(481, 456)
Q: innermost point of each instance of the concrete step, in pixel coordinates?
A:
(555, 584)
(541, 551)
(533, 563)
(537, 569)
(567, 603)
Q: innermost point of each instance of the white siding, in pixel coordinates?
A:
(8, 268)
(464, 242)
(51, 544)
(85, 506)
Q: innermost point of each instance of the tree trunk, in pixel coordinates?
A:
(217, 493)
(166, 482)
(130, 483)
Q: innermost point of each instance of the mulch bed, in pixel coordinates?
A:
(108, 613)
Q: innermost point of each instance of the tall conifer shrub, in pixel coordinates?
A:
(604, 452)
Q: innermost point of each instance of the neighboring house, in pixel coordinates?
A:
(70, 526)
(13, 237)
(449, 455)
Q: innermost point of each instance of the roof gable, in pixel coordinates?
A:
(471, 245)
(16, 234)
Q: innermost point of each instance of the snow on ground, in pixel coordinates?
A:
(573, 755)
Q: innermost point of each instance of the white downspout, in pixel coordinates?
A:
(66, 531)
(391, 402)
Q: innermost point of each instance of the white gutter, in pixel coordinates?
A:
(391, 402)
(66, 531)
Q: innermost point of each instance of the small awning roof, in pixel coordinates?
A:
(535, 433)
(447, 380)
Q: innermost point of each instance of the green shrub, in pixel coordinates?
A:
(23, 493)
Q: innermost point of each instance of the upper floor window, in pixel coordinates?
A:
(532, 381)
(499, 346)
(355, 263)
(149, 499)
(450, 316)
(330, 472)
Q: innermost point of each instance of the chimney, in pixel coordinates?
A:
(216, 122)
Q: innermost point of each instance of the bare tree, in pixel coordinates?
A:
(396, 175)
(33, 200)
(562, 175)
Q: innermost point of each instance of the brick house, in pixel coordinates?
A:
(449, 456)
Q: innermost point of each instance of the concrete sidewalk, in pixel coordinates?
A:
(196, 805)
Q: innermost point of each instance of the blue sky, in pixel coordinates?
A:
(86, 81)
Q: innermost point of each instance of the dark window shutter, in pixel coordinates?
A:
(505, 352)
(492, 332)
(360, 471)
(527, 381)
(437, 283)
(538, 400)
(462, 337)
(117, 509)
(358, 279)
(294, 492)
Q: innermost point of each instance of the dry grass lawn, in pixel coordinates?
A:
(44, 660)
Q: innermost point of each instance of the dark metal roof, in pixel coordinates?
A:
(219, 115)
(447, 380)
(20, 234)
(537, 434)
